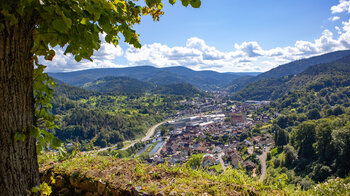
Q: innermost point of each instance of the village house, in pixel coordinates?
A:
(208, 160)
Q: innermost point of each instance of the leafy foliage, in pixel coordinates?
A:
(77, 24)
(281, 137)
(43, 91)
(314, 110)
(195, 161)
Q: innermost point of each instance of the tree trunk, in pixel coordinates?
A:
(18, 160)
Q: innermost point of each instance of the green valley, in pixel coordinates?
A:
(243, 98)
(302, 133)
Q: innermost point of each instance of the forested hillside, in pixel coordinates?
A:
(71, 92)
(334, 74)
(125, 85)
(205, 80)
(120, 85)
(104, 119)
(312, 133)
(184, 89)
(312, 129)
(299, 66)
(292, 68)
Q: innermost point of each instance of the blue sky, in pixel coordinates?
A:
(222, 23)
(229, 35)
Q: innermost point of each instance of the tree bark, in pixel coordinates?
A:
(18, 160)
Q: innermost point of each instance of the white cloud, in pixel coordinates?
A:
(344, 38)
(196, 54)
(326, 43)
(209, 53)
(339, 31)
(249, 49)
(343, 6)
(245, 56)
(305, 47)
(334, 18)
(249, 55)
(162, 55)
(108, 51)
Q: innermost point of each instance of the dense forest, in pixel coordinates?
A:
(298, 66)
(204, 80)
(279, 73)
(312, 129)
(330, 75)
(105, 119)
(110, 84)
(125, 85)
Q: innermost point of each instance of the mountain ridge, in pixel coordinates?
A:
(205, 80)
(314, 77)
(291, 68)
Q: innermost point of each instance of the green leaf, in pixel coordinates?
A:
(149, 3)
(115, 42)
(195, 3)
(50, 55)
(108, 38)
(185, 2)
(84, 21)
(55, 143)
(78, 58)
(172, 2)
(67, 21)
(137, 45)
(35, 189)
(127, 35)
(59, 25)
(35, 132)
(19, 136)
(160, 6)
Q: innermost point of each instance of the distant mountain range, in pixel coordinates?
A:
(205, 80)
(142, 79)
(291, 68)
(325, 75)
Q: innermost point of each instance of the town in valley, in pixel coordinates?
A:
(221, 132)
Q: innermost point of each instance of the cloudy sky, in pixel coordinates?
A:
(228, 36)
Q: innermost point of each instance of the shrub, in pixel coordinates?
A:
(276, 163)
(306, 183)
(290, 156)
(320, 172)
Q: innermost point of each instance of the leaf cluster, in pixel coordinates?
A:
(77, 25)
